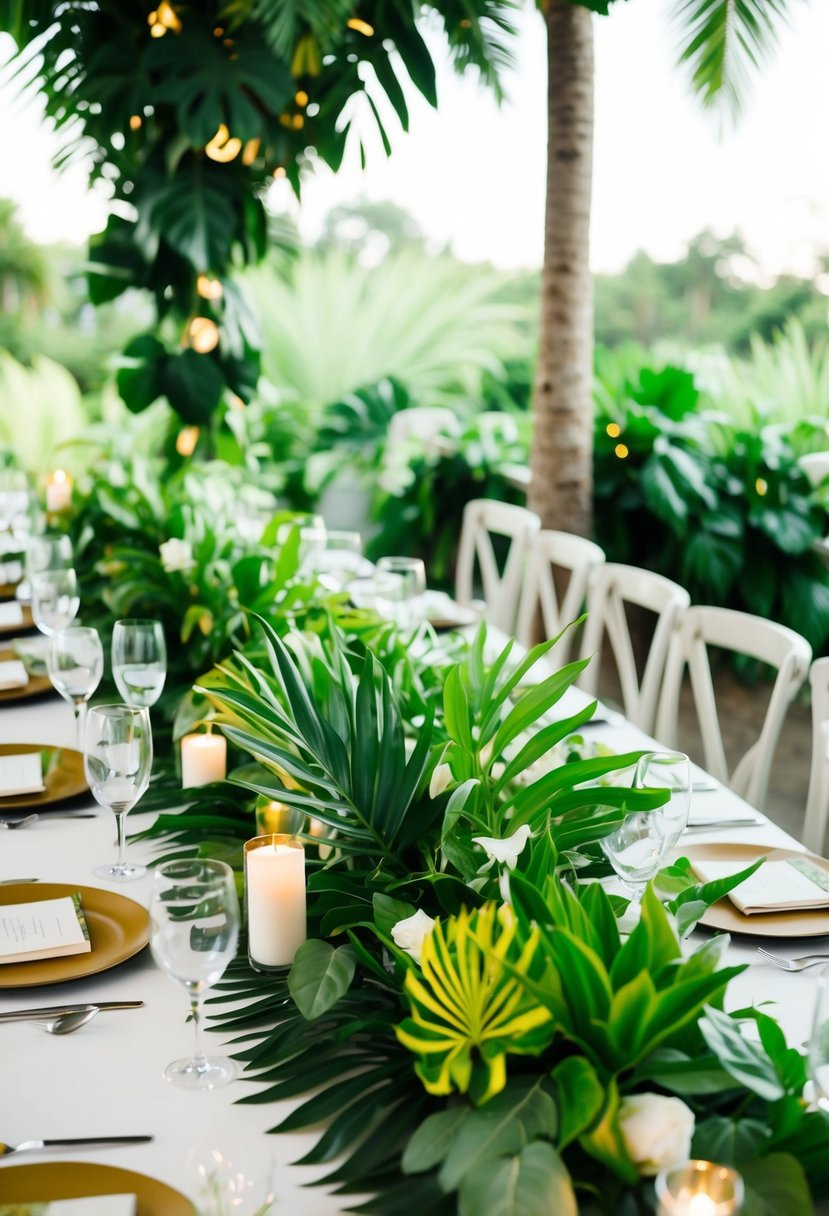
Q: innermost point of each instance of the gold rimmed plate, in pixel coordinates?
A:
(47, 1181)
(63, 776)
(118, 929)
(807, 922)
(19, 626)
(36, 687)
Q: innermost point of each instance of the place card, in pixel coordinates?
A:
(45, 928)
(13, 674)
(11, 614)
(90, 1205)
(777, 886)
(21, 774)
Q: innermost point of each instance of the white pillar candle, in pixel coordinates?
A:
(58, 490)
(203, 759)
(275, 899)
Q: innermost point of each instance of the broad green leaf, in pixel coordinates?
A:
(505, 1124)
(581, 1097)
(320, 975)
(533, 1182)
(388, 911)
(776, 1186)
(746, 1061)
(433, 1139)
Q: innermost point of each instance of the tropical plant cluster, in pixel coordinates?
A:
(482, 1030)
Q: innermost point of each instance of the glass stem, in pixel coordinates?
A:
(120, 819)
(199, 1062)
(79, 708)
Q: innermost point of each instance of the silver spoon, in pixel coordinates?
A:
(66, 1023)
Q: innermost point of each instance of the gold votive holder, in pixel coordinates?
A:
(699, 1188)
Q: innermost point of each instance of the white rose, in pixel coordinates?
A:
(657, 1131)
(441, 779)
(504, 851)
(176, 555)
(410, 934)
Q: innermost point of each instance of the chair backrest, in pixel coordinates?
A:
(484, 518)
(565, 551)
(614, 587)
(817, 801)
(740, 633)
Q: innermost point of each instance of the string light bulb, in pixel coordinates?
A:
(621, 451)
(360, 26)
(203, 335)
(209, 288)
(613, 430)
(186, 440)
(223, 147)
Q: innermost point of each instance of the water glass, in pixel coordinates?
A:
(410, 576)
(118, 759)
(55, 600)
(52, 551)
(139, 660)
(194, 930)
(75, 662)
(636, 850)
(671, 771)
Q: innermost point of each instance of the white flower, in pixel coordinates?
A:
(441, 779)
(657, 1131)
(176, 555)
(410, 934)
(505, 851)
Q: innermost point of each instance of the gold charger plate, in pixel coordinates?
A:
(36, 687)
(64, 777)
(21, 626)
(49, 1180)
(811, 922)
(118, 929)
(8, 591)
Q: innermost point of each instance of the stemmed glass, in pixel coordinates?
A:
(139, 660)
(409, 574)
(75, 662)
(194, 928)
(637, 848)
(118, 757)
(48, 552)
(55, 600)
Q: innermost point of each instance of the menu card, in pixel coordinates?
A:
(11, 614)
(21, 774)
(94, 1205)
(785, 885)
(45, 928)
(13, 674)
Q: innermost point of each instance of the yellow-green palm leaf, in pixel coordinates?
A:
(468, 1009)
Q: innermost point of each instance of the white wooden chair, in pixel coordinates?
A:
(484, 518)
(817, 801)
(551, 550)
(614, 587)
(740, 633)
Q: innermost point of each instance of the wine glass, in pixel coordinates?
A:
(410, 576)
(51, 551)
(75, 662)
(194, 928)
(671, 771)
(139, 660)
(636, 849)
(118, 757)
(55, 600)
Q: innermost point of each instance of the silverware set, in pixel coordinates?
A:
(35, 1146)
(65, 1019)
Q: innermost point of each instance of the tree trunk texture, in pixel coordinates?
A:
(561, 490)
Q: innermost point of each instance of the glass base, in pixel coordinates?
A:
(210, 1072)
(122, 873)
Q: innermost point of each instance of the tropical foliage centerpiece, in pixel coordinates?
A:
(481, 1032)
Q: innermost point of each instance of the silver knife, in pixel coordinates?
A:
(49, 1011)
(35, 1146)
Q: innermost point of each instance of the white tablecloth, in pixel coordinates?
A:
(107, 1077)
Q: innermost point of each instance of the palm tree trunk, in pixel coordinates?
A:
(561, 490)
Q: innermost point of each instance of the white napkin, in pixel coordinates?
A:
(21, 774)
(12, 674)
(11, 613)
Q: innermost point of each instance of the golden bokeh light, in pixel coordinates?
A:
(203, 335)
(223, 147)
(208, 287)
(360, 26)
(186, 440)
(621, 451)
(613, 429)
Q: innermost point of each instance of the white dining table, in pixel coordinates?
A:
(107, 1078)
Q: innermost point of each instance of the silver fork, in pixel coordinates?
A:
(794, 964)
(18, 823)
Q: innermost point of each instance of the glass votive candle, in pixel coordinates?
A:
(274, 900)
(274, 817)
(699, 1188)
